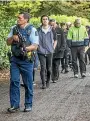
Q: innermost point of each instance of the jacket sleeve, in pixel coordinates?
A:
(63, 41)
(54, 35)
(86, 38)
(69, 38)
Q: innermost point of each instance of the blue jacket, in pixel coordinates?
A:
(46, 41)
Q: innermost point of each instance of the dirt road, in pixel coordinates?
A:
(66, 100)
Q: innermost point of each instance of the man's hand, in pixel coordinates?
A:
(11, 39)
(31, 47)
(15, 38)
(55, 44)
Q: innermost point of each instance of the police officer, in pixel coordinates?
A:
(20, 63)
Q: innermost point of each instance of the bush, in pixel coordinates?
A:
(60, 19)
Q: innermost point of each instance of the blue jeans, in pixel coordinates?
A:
(25, 68)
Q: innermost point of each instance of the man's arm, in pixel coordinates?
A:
(32, 47)
(86, 38)
(34, 40)
(69, 37)
(54, 38)
(12, 37)
(55, 44)
(63, 41)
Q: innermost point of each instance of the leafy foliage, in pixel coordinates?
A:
(62, 11)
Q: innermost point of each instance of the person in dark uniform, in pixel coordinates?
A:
(59, 50)
(23, 39)
(65, 59)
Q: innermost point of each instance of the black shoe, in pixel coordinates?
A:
(43, 87)
(27, 109)
(66, 69)
(62, 71)
(13, 109)
(47, 84)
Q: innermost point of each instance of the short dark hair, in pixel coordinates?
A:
(44, 16)
(26, 15)
(62, 24)
(52, 20)
(57, 23)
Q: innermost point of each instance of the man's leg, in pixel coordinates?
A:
(14, 87)
(27, 75)
(74, 60)
(56, 70)
(43, 70)
(89, 55)
(66, 61)
(62, 64)
(82, 63)
(53, 69)
(86, 58)
(48, 66)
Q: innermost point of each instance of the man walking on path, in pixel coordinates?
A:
(47, 43)
(77, 40)
(59, 50)
(23, 39)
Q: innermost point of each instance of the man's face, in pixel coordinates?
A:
(53, 25)
(21, 20)
(78, 23)
(64, 27)
(45, 21)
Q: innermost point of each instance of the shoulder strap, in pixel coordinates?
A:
(15, 28)
(28, 29)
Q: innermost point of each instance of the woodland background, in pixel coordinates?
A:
(62, 11)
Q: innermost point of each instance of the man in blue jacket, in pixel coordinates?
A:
(47, 44)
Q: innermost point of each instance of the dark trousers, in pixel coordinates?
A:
(65, 60)
(87, 54)
(55, 68)
(46, 64)
(78, 52)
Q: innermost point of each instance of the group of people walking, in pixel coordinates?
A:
(53, 44)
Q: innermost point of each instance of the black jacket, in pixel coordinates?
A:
(61, 44)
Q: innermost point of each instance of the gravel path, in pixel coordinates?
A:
(66, 100)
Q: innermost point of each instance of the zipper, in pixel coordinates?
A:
(78, 34)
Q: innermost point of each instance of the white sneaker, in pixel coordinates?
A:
(83, 75)
(76, 76)
(34, 83)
